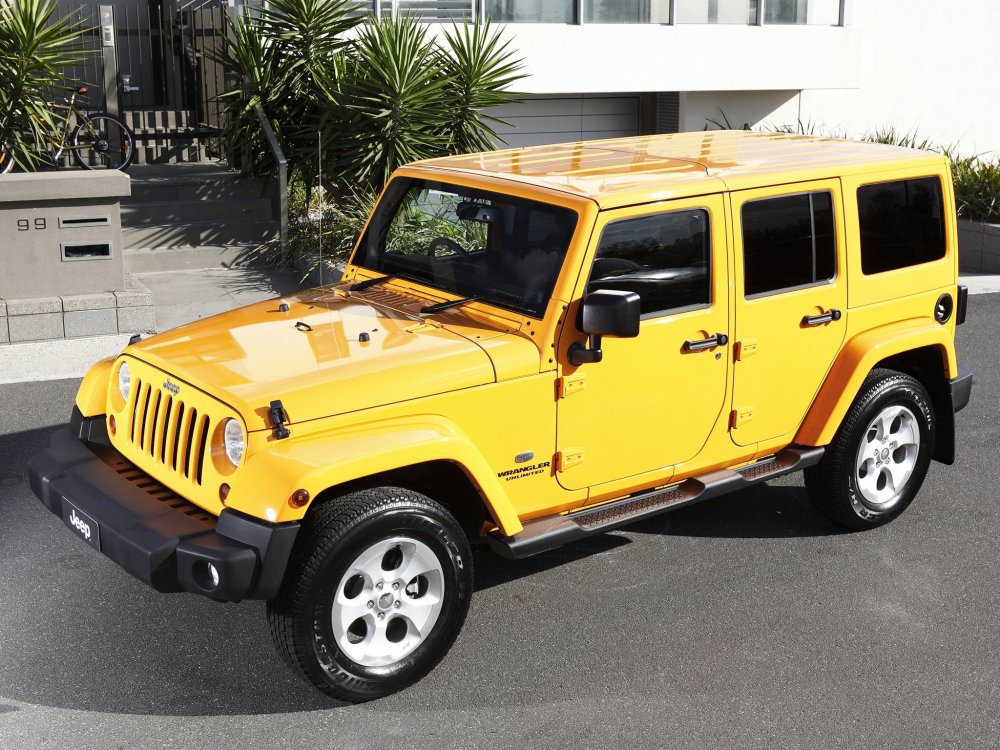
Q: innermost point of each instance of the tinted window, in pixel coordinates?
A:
(902, 224)
(498, 248)
(788, 242)
(664, 258)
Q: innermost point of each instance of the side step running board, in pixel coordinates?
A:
(546, 533)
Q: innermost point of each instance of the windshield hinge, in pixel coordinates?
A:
(567, 459)
(567, 385)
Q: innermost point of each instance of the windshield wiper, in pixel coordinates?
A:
(368, 283)
(442, 306)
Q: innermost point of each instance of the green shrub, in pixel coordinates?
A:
(977, 188)
(311, 212)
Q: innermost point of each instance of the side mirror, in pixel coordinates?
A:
(605, 312)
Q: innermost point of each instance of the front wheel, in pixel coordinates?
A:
(879, 457)
(103, 142)
(375, 593)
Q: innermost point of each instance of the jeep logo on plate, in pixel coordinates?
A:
(79, 524)
(84, 526)
(172, 388)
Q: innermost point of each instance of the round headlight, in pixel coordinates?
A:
(233, 437)
(124, 381)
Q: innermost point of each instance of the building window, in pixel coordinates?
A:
(627, 11)
(813, 12)
(902, 224)
(664, 258)
(788, 243)
(717, 11)
(531, 11)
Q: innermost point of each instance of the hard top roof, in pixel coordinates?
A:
(626, 171)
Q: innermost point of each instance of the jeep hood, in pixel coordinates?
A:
(327, 354)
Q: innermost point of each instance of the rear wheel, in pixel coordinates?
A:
(6, 160)
(879, 457)
(103, 142)
(375, 594)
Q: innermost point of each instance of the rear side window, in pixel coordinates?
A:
(664, 258)
(788, 242)
(902, 224)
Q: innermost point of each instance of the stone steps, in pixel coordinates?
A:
(189, 216)
(149, 213)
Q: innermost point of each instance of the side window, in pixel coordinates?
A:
(788, 242)
(902, 224)
(664, 258)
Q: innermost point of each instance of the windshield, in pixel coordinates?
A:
(473, 243)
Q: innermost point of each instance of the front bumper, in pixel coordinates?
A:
(155, 535)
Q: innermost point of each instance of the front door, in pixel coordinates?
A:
(791, 298)
(653, 400)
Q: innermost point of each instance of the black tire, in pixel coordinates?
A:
(333, 538)
(865, 495)
(102, 141)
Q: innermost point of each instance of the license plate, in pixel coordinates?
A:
(85, 527)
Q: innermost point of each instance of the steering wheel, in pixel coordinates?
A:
(446, 242)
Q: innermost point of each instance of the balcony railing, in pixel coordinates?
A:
(663, 12)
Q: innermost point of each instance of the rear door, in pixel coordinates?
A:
(791, 304)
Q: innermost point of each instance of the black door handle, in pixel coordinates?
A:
(719, 339)
(811, 321)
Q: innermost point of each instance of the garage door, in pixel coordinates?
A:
(556, 119)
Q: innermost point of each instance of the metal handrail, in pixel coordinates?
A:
(279, 156)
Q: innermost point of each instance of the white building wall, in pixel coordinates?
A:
(614, 58)
(921, 65)
(925, 65)
(753, 109)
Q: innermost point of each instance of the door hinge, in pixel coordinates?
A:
(567, 459)
(746, 348)
(567, 385)
(741, 416)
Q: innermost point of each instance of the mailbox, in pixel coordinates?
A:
(60, 233)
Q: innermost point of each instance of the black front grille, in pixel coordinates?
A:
(156, 490)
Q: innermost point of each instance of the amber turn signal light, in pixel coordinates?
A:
(299, 498)
(112, 425)
(223, 492)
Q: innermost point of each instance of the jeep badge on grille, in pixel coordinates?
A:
(172, 388)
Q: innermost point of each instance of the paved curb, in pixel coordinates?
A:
(57, 359)
(981, 283)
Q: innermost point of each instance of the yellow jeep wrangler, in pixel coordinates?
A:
(529, 347)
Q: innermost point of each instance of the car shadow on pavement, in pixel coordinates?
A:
(760, 512)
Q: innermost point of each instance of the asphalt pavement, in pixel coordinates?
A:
(744, 622)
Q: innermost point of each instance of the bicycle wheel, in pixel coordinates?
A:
(103, 141)
(6, 160)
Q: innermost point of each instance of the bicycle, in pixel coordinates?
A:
(99, 141)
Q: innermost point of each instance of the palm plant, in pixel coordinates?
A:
(395, 97)
(478, 70)
(382, 97)
(33, 51)
(288, 55)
